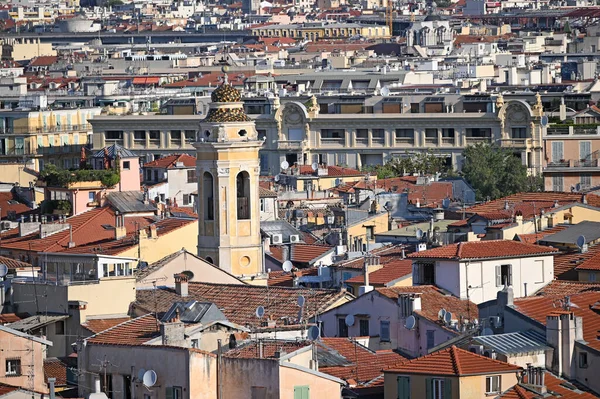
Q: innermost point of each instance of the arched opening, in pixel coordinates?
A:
(207, 185)
(243, 195)
(210, 260)
(206, 133)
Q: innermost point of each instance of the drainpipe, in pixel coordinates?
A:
(219, 379)
(51, 382)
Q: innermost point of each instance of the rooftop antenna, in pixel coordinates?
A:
(314, 166)
(149, 379)
(580, 242)
(3, 270)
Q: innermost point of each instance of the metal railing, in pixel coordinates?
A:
(48, 129)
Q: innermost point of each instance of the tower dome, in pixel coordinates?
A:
(226, 103)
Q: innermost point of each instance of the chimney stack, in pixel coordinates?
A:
(120, 230)
(181, 284)
(173, 332)
(153, 233)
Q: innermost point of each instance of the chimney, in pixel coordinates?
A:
(120, 230)
(51, 382)
(536, 379)
(181, 284)
(561, 333)
(519, 218)
(173, 332)
(260, 349)
(153, 233)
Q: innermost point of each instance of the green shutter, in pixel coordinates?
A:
(447, 388)
(403, 388)
(302, 392)
(428, 388)
(169, 393)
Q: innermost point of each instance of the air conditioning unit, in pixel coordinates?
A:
(476, 349)
(490, 353)
(294, 238)
(276, 239)
(495, 321)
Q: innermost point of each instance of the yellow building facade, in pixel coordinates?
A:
(228, 169)
(315, 31)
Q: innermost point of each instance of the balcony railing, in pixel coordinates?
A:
(48, 129)
(290, 144)
(332, 140)
(404, 140)
(448, 140)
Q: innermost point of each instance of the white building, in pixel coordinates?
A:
(478, 270)
(172, 179)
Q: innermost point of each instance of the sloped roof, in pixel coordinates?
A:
(453, 361)
(114, 151)
(565, 287)
(388, 273)
(131, 332)
(554, 384)
(251, 349)
(55, 368)
(14, 264)
(130, 202)
(8, 203)
(239, 302)
(97, 325)
(535, 237)
(484, 250)
(386, 253)
(171, 161)
(515, 343)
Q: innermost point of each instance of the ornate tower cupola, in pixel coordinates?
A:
(228, 168)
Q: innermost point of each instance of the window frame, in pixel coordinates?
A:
(489, 384)
(15, 370)
(437, 388)
(382, 338)
(582, 360)
(362, 329)
(430, 338)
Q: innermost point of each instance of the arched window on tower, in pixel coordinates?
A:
(207, 185)
(243, 195)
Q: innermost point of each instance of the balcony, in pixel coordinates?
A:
(362, 141)
(476, 140)
(48, 129)
(431, 141)
(290, 145)
(333, 141)
(403, 141)
(378, 141)
(448, 141)
(516, 142)
(565, 130)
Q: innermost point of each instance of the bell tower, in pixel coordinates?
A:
(228, 168)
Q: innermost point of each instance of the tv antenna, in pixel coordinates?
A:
(149, 379)
(260, 312)
(487, 331)
(349, 320)
(314, 333)
(3, 270)
(419, 234)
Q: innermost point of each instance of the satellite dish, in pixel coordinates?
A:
(301, 300)
(544, 121)
(580, 241)
(3, 270)
(314, 333)
(141, 374)
(314, 166)
(419, 234)
(410, 322)
(385, 91)
(260, 312)
(285, 165)
(441, 314)
(578, 187)
(276, 177)
(448, 317)
(487, 331)
(287, 266)
(150, 378)
(349, 320)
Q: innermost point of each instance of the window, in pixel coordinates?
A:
(384, 331)
(585, 180)
(195, 343)
(403, 387)
(438, 388)
(243, 195)
(113, 135)
(519, 132)
(148, 174)
(503, 275)
(431, 133)
(492, 384)
(557, 183)
(405, 133)
(583, 360)
(187, 199)
(91, 196)
(174, 393)
(592, 276)
(59, 327)
(557, 152)
(342, 327)
(430, 339)
(370, 233)
(585, 149)
(207, 186)
(364, 327)
(191, 176)
(139, 136)
(258, 392)
(262, 204)
(190, 136)
(13, 367)
(302, 392)
(126, 165)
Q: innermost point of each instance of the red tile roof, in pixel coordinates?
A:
(265, 193)
(332, 171)
(14, 264)
(8, 203)
(453, 361)
(6, 389)
(251, 349)
(365, 366)
(389, 272)
(432, 193)
(591, 263)
(484, 250)
(131, 332)
(432, 300)
(98, 325)
(535, 237)
(554, 384)
(564, 287)
(55, 368)
(539, 307)
(239, 302)
(6, 318)
(307, 253)
(146, 80)
(45, 60)
(170, 161)
(284, 279)
(386, 254)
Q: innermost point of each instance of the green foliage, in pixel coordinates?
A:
(55, 177)
(49, 206)
(422, 163)
(495, 172)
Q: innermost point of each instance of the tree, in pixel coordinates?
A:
(422, 163)
(496, 172)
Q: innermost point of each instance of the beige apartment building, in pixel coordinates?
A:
(350, 130)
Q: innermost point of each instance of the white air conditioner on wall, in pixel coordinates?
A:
(276, 239)
(294, 238)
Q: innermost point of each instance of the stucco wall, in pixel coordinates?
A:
(318, 387)
(30, 353)
(240, 375)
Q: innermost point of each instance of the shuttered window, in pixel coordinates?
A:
(585, 149)
(302, 392)
(403, 387)
(557, 151)
(438, 388)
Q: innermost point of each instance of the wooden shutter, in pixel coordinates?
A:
(557, 151)
(585, 149)
(510, 280)
(403, 387)
(429, 388)
(447, 388)
(498, 276)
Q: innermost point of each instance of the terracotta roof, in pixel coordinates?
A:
(251, 349)
(307, 253)
(283, 279)
(535, 237)
(6, 318)
(131, 332)
(366, 364)
(170, 161)
(564, 287)
(558, 386)
(239, 302)
(45, 60)
(100, 324)
(14, 264)
(386, 254)
(591, 263)
(432, 300)
(332, 171)
(539, 307)
(146, 80)
(264, 193)
(484, 250)
(9, 203)
(434, 192)
(55, 368)
(389, 272)
(566, 263)
(453, 361)
(6, 389)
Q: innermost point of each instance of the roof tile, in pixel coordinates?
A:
(484, 250)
